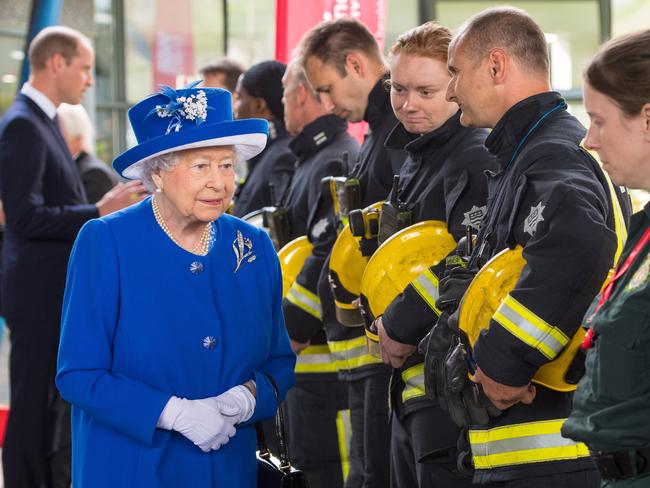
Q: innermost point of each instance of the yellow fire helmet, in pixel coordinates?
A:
(486, 292)
(397, 262)
(346, 270)
(292, 257)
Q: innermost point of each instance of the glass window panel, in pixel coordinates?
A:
(104, 129)
(402, 16)
(11, 54)
(251, 26)
(629, 16)
(167, 41)
(572, 29)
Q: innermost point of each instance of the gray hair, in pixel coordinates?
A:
(146, 168)
(297, 70)
(163, 162)
(76, 122)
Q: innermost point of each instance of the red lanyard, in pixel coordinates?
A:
(607, 292)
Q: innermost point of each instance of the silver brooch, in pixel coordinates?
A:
(209, 342)
(243, 248)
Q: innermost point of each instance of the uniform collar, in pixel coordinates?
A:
(276, 130)
(40, 99)
(516, 122)
(427, 143)
(378, 102)
(316, 135)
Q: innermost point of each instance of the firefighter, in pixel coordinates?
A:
(550, 197)
(317, 411)
(611, 404)
(442, 179)
(259, 94)
(344, 65)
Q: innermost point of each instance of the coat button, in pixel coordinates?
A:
(209, 342)
(196, 267)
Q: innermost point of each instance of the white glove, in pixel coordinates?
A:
(201, 421)
(238, 399)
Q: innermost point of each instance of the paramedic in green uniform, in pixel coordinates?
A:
(611, 407)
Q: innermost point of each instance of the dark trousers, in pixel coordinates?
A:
(313, 410)
(577, 479)
(423, 451)
(36, 451)
(369, 456)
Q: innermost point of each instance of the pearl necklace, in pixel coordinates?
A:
(201, 247)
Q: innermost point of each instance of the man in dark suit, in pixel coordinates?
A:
(45, 206)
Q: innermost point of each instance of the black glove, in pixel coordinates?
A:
(435, 347)
(452, 288)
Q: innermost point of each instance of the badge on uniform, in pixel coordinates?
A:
(534, 218)
(474, 216)
(640, 277)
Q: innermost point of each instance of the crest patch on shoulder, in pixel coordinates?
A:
(534, 218)
(474, 216)
(640, 277)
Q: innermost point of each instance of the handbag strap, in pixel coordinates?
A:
(280, 432)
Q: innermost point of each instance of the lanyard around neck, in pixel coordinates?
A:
(589, 339)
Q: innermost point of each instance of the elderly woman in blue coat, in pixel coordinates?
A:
(172, 319)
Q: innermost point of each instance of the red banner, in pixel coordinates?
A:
(172, 52)
(295, 17)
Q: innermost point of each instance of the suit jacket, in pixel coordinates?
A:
(45, 206)
(96, 176)
(143, 320)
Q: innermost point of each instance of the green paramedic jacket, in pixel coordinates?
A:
(611, 404)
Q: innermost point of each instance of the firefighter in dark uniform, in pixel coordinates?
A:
(317, 410)
(259, 94)
(550, 197)
(345, 66)
(442, 179)
(611, 404)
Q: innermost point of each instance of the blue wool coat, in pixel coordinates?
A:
(139, 317)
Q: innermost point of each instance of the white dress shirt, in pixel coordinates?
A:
(40, 99)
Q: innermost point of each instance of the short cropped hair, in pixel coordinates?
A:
(332, 40)
(230, 68)
(53, 40)
(75, 122)
(621, 71)
(510, 29)
(297, 70)
(429, 40)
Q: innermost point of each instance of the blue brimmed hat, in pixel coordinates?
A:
(189, 118)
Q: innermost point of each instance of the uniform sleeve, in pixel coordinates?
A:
(281, 174)
(410, 316)
(568, 248)
(281, 360)
(23, 166)
(89, 320)
(302, 305)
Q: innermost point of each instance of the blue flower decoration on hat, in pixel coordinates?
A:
(188, 118)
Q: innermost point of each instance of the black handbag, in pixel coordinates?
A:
(272, 472)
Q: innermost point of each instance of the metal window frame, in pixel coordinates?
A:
(428, 10)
